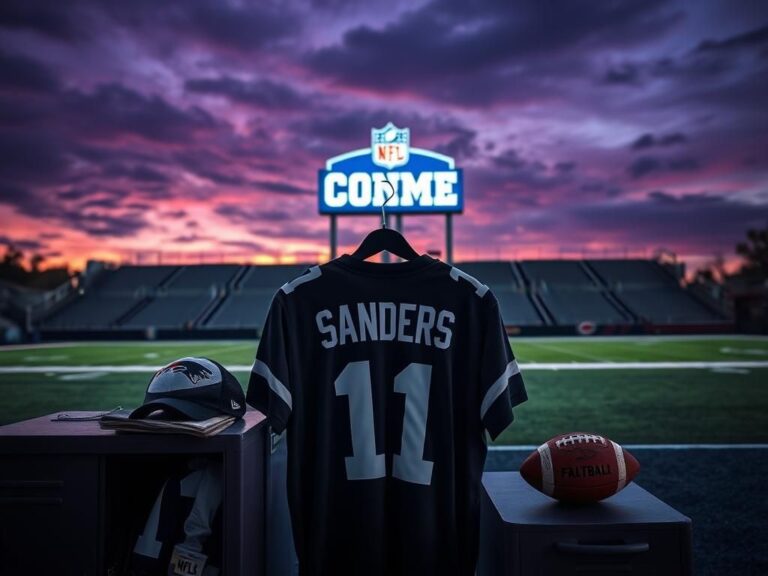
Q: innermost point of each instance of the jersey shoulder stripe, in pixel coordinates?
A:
(311, 274)
(480, 288)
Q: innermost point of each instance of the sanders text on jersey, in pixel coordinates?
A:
(385, 321)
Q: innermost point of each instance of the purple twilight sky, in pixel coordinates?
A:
(196, 127)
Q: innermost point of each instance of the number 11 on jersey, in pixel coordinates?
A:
(413, 381)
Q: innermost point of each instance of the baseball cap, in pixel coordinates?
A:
(193, 388)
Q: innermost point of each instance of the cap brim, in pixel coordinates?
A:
(187, 409)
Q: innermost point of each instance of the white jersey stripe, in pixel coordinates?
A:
(275, 385)
(547, 470)
(480, 288)
(498, 387)
(313, 273)
(620, 465)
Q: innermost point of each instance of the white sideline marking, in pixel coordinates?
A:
(82, 376)
(752, 351)
(531, 447)
(641, 365)
(12, 347)
(523, 367)
(41, 358)
(730, 370)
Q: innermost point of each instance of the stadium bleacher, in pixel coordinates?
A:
(571, 293)
(572, 307)
(246, 306)
(627, 273)
(516, 308)
(545, 273)
(91, 311)
(652, 293)
(200, 278)
(129, 279)
(532, 294)
(667, 306)
(177, 311)
(242, 310)
(270, 277)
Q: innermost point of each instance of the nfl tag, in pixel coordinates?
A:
(186, 562)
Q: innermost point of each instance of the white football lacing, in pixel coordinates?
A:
(579, 439)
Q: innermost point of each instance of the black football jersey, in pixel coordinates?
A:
(386, 377)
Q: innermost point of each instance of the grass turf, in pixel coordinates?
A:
(629, 406)
(619, 349)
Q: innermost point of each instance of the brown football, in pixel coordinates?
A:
(579, 467)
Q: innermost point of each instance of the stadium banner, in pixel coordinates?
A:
(424, 181)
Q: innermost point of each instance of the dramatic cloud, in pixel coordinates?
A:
(647, 164)
(261, 93)
(194, 127)
(649, 140)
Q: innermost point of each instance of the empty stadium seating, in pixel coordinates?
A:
(670, 305)
(201, 278)
(91, 311)
(627, 273)
(242, 310)
(129, 279)
(575, 306)
(543, 294)
(516, 308)
(545, 273)
(174, 311)
(270, 277)
(494, 274)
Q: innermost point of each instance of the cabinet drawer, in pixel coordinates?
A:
(604, 551)
(49, 511)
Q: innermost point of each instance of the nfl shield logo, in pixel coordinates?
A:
(390, 146)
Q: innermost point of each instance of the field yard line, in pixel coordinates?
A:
(566, 351)
(531, 447)
(229, 349)
(523, 367)
(641, 365)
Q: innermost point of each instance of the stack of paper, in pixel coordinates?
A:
(200, 428)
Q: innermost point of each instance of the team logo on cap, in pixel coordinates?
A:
(183, 374)
(192, 370)
(390, 146)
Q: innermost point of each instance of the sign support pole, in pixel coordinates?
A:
(385, 254)
(449, 238)
(399, 225)
(334, 238)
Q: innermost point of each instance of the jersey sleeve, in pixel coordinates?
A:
(501, 383)
(269, 387)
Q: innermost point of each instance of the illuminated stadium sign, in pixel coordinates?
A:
(424, 181)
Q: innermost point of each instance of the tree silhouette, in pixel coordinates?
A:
(13, 257)
(755, 252)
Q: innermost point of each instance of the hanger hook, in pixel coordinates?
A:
(383, 217)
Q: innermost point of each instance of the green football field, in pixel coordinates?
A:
(634, 390)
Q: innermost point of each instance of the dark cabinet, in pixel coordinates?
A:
(524, 532)
(71, 493)
(41, 500)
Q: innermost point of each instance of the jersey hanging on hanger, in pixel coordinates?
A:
(387, 377)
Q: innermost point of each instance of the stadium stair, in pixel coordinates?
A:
(542, 309)
(132, 311)
(517, 274)
(530, 289)
(211, 309)
(237, 280)
(165, 282)
(608, 294)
